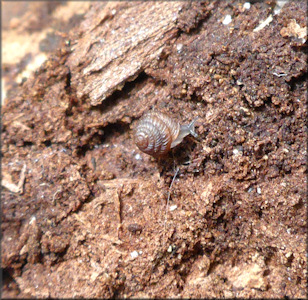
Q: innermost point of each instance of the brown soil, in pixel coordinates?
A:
(83, 210)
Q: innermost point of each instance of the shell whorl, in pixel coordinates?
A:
(155, 133)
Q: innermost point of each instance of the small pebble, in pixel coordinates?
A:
(134, 254)
(247, 5)
(138, 156)
(173, 207)
(179, 47)
(259, 190)
(235, 151)
(227, 20)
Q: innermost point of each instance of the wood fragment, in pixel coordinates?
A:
(7, 181)
(108, 62)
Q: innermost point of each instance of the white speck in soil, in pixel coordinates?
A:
(247, 5)
(179, 47)
(235, 151)
(138, 156)
(134, 254)
(227, 20)
(173, 207)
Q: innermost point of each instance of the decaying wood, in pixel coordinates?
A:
(116, 45)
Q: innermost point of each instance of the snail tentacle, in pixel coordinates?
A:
(184, 131)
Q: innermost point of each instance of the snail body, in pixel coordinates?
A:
(157, 133)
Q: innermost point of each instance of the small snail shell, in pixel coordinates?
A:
(156, 133)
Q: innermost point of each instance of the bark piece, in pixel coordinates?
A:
(116, 46)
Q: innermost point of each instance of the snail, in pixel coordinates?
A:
(156, 133)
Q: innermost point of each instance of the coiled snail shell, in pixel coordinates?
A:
(156, 133)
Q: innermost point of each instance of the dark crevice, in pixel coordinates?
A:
(118, 96)
(267, 103)
(68, 80)
(298, 205)
(27, 144)
(197, 99)
(269, 254)
(110, 130)
(9, 283)
(297, 81)
(113, 128)
(47, 143)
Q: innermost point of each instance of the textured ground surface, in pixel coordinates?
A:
(83, 210)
